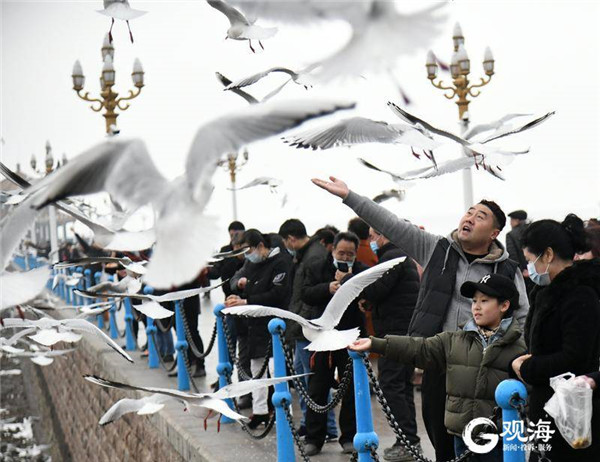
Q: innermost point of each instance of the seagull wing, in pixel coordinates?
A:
(233, 14)
(235, 390)
(497, 124)
(219, 406)
(154, 310)
(182, 395)
(226, 82)
(260, 75)
(395, 177)
(13, 227)
(350, 290)
(183, 294)
(259, 311)
(354, 130)
(230, 254)
(20, 287)
(519, 129)
(87, 327)
(128, 405)
(119, 10)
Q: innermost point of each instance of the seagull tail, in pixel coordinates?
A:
(331, 340)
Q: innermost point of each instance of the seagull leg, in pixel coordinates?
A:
(250, 43)
(112, 23)
(261, 45)
(20, 311)
(219, 423)
(418, 156)
(130, 34)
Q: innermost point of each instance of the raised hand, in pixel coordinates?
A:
(335, 186)
(362, 344)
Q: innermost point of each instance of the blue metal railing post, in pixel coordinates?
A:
(68, 289)
(150, 332)
(49, 283)
(282, 396)
(77, 299)
(112, 319)
(365, 437)
(130, 343)
(513, 448)
(62, 291)
(100, 317)
(87, 275)
(224, 367)
(183, 379)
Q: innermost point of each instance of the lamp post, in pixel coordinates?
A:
(461, 89)
(109, 100)
(232, 165)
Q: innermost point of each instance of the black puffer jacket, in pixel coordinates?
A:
(394, 295)
(313, 249)
(562, 333)
(320, 272)
(268, 285)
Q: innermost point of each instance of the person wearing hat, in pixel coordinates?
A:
(469, 252)
(518, 225)
(475, 358)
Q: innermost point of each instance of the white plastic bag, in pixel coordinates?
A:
(571, 409)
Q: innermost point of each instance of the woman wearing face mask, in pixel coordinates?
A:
(562, 330)
(265, 281)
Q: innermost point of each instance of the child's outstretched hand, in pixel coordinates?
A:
(362, 344)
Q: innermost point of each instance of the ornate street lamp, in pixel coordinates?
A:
(233, 166)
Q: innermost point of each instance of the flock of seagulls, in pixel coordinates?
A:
(183, 236)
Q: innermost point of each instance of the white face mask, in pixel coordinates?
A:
(542, 279)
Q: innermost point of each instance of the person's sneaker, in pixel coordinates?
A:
(311, 449)
(257, 419)
(330, 438)
(398, 453)
(348, 448)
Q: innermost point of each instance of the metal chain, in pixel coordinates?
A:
(195, 350)
(188, 368)
(299, 443)
(299, 385)
(161, 327)
(519, 404)
(394, 424)
(233, 357)
(374, 455)
(254, 436)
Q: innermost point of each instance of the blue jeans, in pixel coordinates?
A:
(495, 455)
(302, 366)
(165, 343)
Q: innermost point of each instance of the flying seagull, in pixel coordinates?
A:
(20, 287)
(240, 27)
(298, 77)
(122, 167)
(226, 82)
(152, 404)
(321, 331)
(125, 262)
(120, 9)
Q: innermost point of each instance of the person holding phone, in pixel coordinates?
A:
(323, 277)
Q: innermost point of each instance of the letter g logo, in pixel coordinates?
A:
(482, 447)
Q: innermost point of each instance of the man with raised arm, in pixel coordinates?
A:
(467, 253)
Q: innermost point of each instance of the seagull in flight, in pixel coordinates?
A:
(271, 182)
(20, 287)
(300, 78)
(125, 262)
(123, 167)
(120, 9)
(240, 27)
(155, 402)
(241, 93)
(321, 331)
(398, 194)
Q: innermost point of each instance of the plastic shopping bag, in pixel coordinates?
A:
(571, 409)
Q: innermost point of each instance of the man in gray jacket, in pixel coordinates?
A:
(466, 254)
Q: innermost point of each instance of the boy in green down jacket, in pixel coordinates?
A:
(476, 358)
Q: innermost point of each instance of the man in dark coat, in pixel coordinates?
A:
(226, 268)
(323, 277)
(303, 249)
(518, 224)
(392, 299)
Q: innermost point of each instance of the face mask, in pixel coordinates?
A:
(337, 262)
(537, 278)
(374, 246)
(253, 257)
(292, 252)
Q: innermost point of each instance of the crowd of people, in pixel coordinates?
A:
(466, 309)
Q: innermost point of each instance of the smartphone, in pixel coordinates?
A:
(343, 267)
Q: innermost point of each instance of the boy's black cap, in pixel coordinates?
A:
(494, 285)
(518, 215)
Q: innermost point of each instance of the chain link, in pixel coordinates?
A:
(254, 436)
(519, 404)
(234, 358)
(394, 424)
(188, 335)
(188, 368)
(299, 443)
(299, 385)
(160, 359)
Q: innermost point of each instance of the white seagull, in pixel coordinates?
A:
(154, 403)
(271, 182)
(120, 9)
(240, 27)
(42, 358)
(184, 234)
(20, 287)
(300, 78)
(66, 327)
(125, 262)
(321, 331)
(226, 82)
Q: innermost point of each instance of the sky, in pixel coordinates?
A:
(546, 60)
